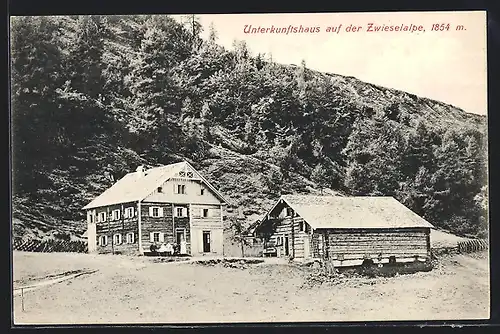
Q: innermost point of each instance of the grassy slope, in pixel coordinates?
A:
(238, 176)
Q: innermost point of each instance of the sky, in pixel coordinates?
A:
(448, 65)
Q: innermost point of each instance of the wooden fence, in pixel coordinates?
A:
(48, 246)
(472, 245)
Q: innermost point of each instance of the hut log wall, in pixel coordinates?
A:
(373, 244)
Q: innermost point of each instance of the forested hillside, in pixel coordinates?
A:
(93, 97)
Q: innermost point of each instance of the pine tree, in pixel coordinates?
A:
(37, 73)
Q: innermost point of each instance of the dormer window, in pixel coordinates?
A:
(180, 189)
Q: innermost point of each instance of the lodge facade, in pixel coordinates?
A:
(146, 210)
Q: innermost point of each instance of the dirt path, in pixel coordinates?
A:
(44, 281)
(127, 290)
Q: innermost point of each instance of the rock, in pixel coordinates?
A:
(316, 265)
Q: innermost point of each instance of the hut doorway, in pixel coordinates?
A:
(287, 246)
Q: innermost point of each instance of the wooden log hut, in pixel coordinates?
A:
(345, 230)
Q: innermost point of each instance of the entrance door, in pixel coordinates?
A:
(287, 251)
(206, 241)
(180, 238)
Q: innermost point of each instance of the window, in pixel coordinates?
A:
(202, 191)
(156, 237)
(190, 174)
(91, 218)
(180, 189)
(129, 212)
(103, 240)
(205, 213)
(130, 238)
(155, 211)
(160, 189)
(182, 174)
(116, 214)
(180, 212)
(102, 216)
(279, 241)
(289, 212)
(301, 226)
(117, 239)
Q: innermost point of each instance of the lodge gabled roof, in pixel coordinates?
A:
(359, 212)
(132, 188)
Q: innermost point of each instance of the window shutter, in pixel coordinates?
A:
(151, 237)
(162, 237)
(175, 189)
(125, 214)
(151, 211)
(175, 212)
(184, 212)
(160, 212)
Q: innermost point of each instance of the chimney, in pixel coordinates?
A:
(140, 171)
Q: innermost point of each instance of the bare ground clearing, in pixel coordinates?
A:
(138, 290)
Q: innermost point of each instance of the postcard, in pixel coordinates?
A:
(249, 168)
